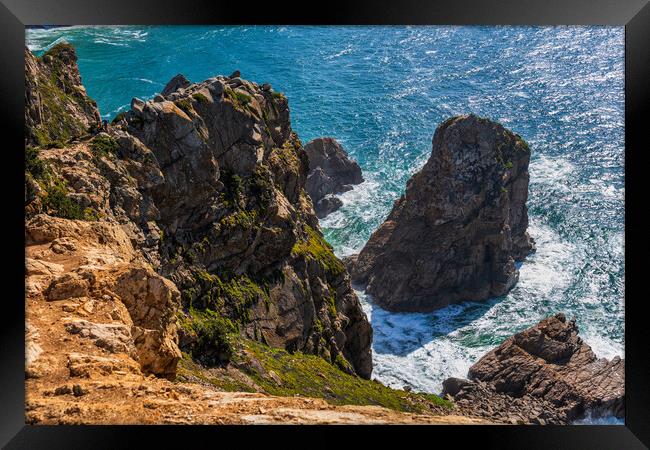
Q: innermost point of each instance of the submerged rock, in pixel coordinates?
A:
(457, 232)
(330, 172)
(550, 363)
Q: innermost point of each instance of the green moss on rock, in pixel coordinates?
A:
(200, 97)
(312, 376)
(210, 334)
(316, 247)
(104, 145)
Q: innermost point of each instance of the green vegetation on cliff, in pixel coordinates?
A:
(211, 335)
(54, 195)
(316, 247)
(278, 372)
(64, 108)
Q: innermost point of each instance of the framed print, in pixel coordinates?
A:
(374, 216)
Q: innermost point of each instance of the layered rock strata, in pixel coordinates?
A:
(458, 230)
(546, 368)
(331, 172)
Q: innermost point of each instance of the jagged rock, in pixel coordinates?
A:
(330, 172)
(328, 205)
(152, 302)
(87, 366)
(66, 286)
(459, 228)
(551, 361)
(110, 276)
(176, 83)
(545, 374)
(57, 108)
(208, 186)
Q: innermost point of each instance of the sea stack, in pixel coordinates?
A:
(331, 172)
(458, 230)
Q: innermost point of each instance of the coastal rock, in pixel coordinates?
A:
(551, 361)
(545, 372)
(457, 232)
(234, 207)
(208, 188)
(126, 308)
(57, 107)
(481, 400)
(176, 83)
(330, 172)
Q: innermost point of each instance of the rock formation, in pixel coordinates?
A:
(57, 108)
(330, 172)
(457, 232)
(207, 181)
(110, 296)
(550, 363)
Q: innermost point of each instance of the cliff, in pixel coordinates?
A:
(458, 230)
(57, 108)
(208, 185)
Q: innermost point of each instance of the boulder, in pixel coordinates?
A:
(331, 171)
(458, 230)
(178, 82)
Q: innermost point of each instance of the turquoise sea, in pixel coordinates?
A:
(381, 91)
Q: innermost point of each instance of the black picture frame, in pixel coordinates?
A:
(633, 14)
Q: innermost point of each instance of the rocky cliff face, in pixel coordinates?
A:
(57, 108)
(459, 228)
(546, 368)
(208, 184)
(330, 172)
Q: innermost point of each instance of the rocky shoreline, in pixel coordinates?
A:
(330, 172)
(176, 271)
(545, 374)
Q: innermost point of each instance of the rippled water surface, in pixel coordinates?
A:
(381, 91)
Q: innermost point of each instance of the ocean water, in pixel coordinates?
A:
(381, 91)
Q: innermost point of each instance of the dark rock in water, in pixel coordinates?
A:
(550, 361)
(459, 228)
(327, 205)
(176, 83)
(330, 172)
(266, 87)
(452, 385)
(57, 108)
(545, 374)
(235, 74)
